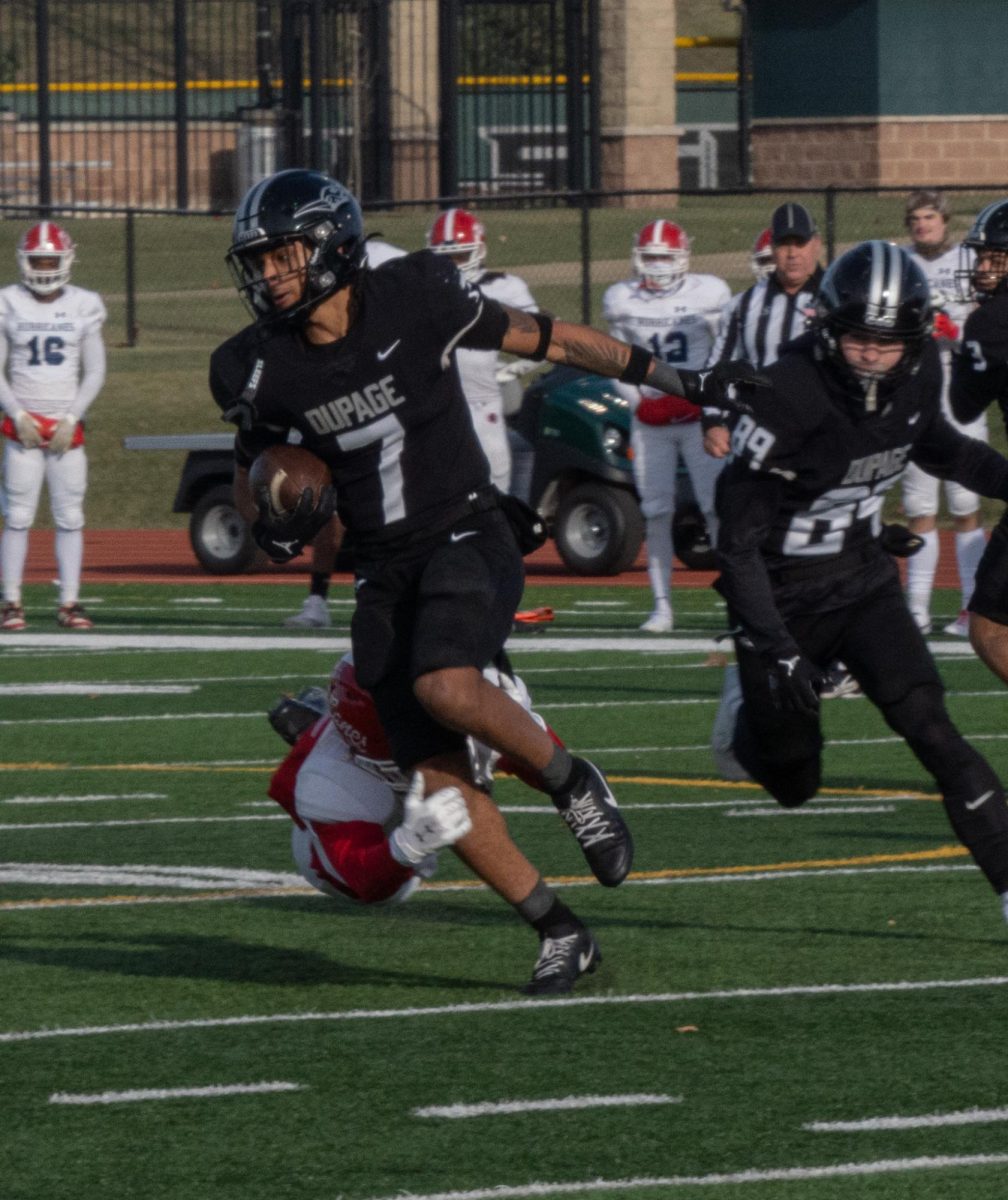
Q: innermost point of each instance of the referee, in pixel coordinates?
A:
(776, 309)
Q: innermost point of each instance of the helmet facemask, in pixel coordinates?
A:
(877, 291)
(986, 240)
(318, 219)
(461, 236)
(661, 256)
(45, 241)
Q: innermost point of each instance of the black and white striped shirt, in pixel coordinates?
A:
(761, 319)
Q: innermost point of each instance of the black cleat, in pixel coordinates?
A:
(561, 962)
(593, 816)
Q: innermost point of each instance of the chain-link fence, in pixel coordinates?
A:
(164, 278)
(171, 299)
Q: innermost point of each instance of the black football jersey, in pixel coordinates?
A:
(980, 364)
(383, 407)
(808, 480)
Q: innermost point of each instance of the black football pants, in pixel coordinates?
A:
(884, 650)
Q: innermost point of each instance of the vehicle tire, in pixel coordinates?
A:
(598, 530)
(218, 533)
(691, 542)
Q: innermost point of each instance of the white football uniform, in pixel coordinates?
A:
(379, 252)
(52, 364)
(920, 490)
(678, 327)
(478, 373)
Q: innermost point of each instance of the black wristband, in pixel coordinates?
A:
(637, 367)
(545, 324)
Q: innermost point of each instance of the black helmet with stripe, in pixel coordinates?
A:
(983, 261)
(874, 289)
(296, 206)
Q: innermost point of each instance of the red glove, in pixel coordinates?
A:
(666, 410)
(945, 329)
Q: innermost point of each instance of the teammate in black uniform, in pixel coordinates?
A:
(804, 572)
(979, 377)
(361, 364)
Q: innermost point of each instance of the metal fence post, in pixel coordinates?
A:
(181, 106)
(42, 102)
(448, 70)
(131, 322)
(830, 206)
(574, 64)
(585, 260)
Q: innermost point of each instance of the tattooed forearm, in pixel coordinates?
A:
(575, 345)
(580, 346)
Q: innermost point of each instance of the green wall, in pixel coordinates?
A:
(845, 58)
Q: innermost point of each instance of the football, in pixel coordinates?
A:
(283, 472)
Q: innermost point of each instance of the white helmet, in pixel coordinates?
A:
(661, 256)
(45, 240)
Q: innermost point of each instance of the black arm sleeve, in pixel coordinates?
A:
(747, 502)
(948, 454)
(488, 331)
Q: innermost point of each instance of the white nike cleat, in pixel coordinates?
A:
(959, 627)
(561, 962)
(660, 621)
(314, 614)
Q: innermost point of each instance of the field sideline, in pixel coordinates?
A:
(801, 1004)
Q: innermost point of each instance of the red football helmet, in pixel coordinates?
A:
(762, 260)
(661, 256)
(45, 240)
(356, 719)
(458, 233)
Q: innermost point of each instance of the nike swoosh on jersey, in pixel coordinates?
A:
(914, 419)
(457, 537)
(383, 354)
(973, 804)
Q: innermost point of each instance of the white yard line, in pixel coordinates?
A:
(130, 875)
(137, 1095)
(812, 991)
(821, 807)
(90, 798)
(96, 689)
(298, 888)
(969, 1116)
(810, 810)
(885, 1166)
(127, 821)
(494, 1108)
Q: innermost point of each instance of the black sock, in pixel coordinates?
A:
(559, 772)
(546, 913)
(319, 584)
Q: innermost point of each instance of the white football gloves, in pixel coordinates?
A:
(62, 435)
(429, 823)
(28, 432)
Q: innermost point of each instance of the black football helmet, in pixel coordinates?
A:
(989, 238)
(290, 206)
(877, 289)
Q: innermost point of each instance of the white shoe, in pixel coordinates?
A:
(959, 627)
(314, 614)
(923, 619)
(660, 621)
(723, 729)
